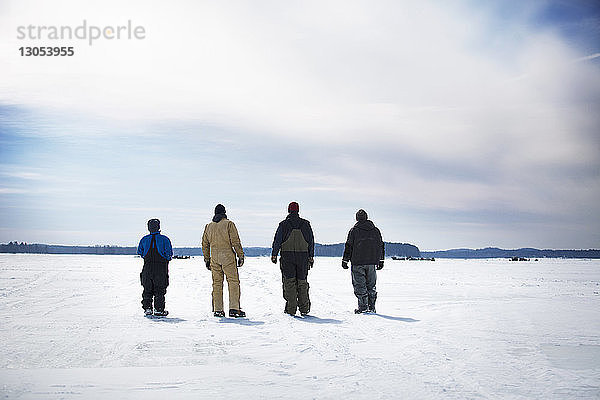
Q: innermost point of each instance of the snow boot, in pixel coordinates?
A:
(371, 306)
(148, 312)
(219, 314)
(237, 313)
(285, 311)
(161, 313)
(360, 310)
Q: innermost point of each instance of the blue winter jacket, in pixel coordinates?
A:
(163, 245)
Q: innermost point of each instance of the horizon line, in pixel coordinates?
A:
(316, 243)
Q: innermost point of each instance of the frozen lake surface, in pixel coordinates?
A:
(72, 327)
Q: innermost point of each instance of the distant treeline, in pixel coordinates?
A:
(14, 247)
(326, 250)
(493, 252)
(391, 249)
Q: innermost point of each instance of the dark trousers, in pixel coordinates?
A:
(294, 271)
(364, 278)
(152, 291)
(154, 279)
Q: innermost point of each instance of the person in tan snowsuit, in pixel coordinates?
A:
(220, 245)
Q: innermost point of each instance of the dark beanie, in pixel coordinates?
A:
(293, 207)
(220, 209)
(361, 215)
(154, 225)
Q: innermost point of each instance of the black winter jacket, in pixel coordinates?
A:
(364, 245)
(293, 221)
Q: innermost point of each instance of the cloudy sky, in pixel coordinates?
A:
(454, 124)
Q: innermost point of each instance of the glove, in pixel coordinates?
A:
(274, 259)
(240, 261)
(311, 262)
(207, 262)
(344, 264)
(380, 264)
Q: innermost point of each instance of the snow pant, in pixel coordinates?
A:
(364, 278)
(294, 271)
(230, 272)
(154, 279)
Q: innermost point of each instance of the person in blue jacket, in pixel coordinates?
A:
(157, 251)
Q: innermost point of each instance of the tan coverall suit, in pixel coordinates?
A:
(220, 244)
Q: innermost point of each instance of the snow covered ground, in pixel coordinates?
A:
(72, 327)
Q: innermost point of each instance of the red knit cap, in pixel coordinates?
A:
(293, 207)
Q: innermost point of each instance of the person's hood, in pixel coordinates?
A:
(219, 217)
(294, 219)
(365, 225)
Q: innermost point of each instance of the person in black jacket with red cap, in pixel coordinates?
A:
(366, 251)
(294, 237)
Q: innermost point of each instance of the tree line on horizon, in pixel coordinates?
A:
(324, 250)
(494, 252)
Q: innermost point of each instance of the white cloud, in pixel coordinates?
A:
(403, 73)
(8, 190)
(588, 58)
(24, 175)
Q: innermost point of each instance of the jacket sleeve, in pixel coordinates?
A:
(205, 245)
(348, 247)
(234, 239)
(277, 241)
(140, 249)
(168, 249)
(382, 244)
(310, 240)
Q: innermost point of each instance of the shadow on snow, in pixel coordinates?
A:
(240, 321)
(402, 319)
(167, 320)
(317, 320)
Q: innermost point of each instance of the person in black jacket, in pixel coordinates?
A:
(294, 237)
(366, 251)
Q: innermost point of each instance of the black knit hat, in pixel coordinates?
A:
(361, 215)
(154, 225)
(220, 209)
